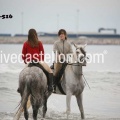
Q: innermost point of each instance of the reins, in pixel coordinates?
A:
(86, 81)
(77, 64)
(74, 64)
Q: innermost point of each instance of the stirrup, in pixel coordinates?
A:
(50, 89)
(54, 89)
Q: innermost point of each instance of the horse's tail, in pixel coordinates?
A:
(24, 99)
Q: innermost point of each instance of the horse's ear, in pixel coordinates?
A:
(84, 45)
(74, 44)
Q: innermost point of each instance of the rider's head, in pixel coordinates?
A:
(32, 38)
(62, 34)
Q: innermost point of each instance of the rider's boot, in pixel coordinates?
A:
(50, 82)
(54, 84)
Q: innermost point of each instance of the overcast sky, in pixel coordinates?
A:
(51, 15)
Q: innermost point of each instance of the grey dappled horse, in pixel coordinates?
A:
(72, 81)
(33, 83)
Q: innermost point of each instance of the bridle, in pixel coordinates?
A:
(74, 64)
(78, 63)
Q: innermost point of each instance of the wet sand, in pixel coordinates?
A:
(52, 115)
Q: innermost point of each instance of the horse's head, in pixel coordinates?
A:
(80, 52)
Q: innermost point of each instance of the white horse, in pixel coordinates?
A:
(72, 81)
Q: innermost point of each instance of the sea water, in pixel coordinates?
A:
(101, 101)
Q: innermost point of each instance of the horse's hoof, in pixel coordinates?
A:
(67, 112)
(42, 118)
(64, 112)
(82, 116)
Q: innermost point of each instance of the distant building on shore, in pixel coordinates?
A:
(73, 35)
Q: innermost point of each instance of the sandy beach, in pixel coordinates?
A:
(51, 40)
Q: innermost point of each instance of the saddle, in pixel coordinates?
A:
(60, 73)
(31, 64)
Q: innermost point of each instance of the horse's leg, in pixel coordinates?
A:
(24, 102)
(46, 96)
(68, 100)
(80, 105)
(26, 114)
(35, 111)
(44, 107)
(35, 107)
